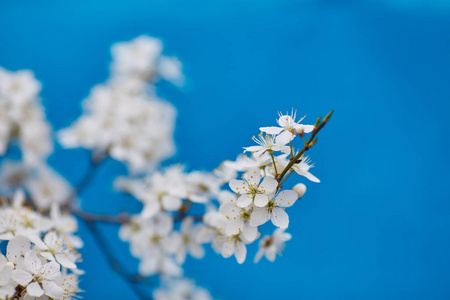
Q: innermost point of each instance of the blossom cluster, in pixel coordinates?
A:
(22, 116)
(41, 255)
(124, 117)
(182, 211)
(230, 219)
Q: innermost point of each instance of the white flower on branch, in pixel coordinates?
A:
(270, 246)
(267, 143)
(238, 219)
(288, 127)
(275, 210)
(251, 190)
(38, 278)
(302, 168)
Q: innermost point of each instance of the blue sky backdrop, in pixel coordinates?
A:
(377, 227)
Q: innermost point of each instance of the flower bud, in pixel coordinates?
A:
(299, 129)
(300, 189)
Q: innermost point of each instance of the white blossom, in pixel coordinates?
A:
(267, 143)
(275, 210)
(251, 190)
(303, 167)
(270, 246)
(287, 128)
(181, 289)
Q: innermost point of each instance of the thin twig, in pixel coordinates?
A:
(130, 279)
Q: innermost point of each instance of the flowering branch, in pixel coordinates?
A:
(308, 145)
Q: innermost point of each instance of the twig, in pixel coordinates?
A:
(130, 279)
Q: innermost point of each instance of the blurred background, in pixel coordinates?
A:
(376, 227)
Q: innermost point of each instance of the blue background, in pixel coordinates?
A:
(377, 227)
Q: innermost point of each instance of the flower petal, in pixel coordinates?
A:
(259, 216)
(239, 186)
(261, 200)
(171, 203)
(50, 271)
(52, 290)
(312, 177)
(150, 210)
(34, 290)
(268, 185)
(65, 260)
(284, 138)
(271, 129)
(253, 176)
(250, 232)
(308, 128)
(279, 218)
(22, 277)
(244, 200)
(286, 198)
(241, 252)
(17, 247)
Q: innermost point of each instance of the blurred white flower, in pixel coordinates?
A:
(181, 289)
(270, 246)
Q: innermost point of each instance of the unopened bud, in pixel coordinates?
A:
(300, 189)
(299, 128)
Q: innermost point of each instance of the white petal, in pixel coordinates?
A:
(52, 290)
(253, 148)
(284, 138)
(268, 185)
(312, 177)
(258, 255)
(196, 250)
(244, 200)
(271, 254)
(271, 129)
(241, 252)
(22, 277)
(308, 128)
(239, 186)
(234, 226)
(47, 255)
(17, 247)
(50, 271)
(5, 274)
(280, 218)
(286, 198)
(65, 261)
(32, 262)
(261, 200)
(186, 225)
(253, 176)
(230, 210)
(171, 203)
(150, 209)
(259, 216)
(34, 290)
(250, 232)
(227, 248)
